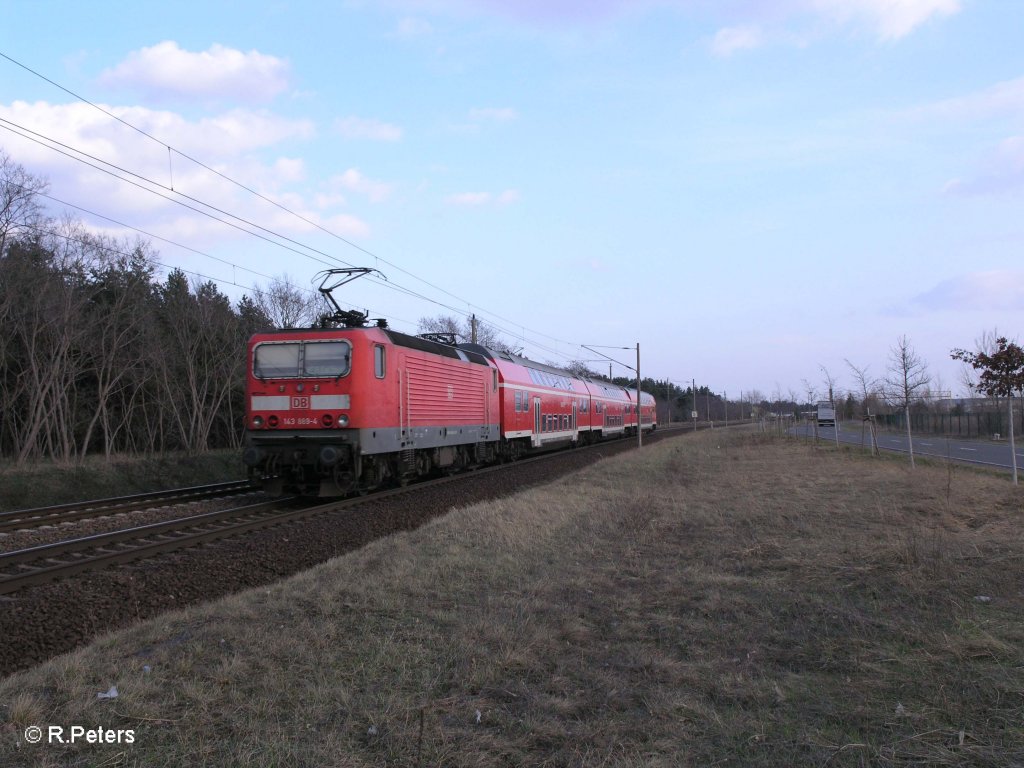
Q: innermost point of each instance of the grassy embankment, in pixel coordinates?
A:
(713, 599)
(45, 483)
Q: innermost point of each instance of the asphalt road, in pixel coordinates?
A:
(991, 453)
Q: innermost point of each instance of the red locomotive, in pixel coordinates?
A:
(332, 411)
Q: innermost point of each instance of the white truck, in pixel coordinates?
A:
(826, 414)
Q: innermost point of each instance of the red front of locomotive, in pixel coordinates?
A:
(308, 395)
(330, 412)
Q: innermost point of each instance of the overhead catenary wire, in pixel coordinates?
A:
(42, 140)
(171, 151)
(71, 152)
(224, 176)
(149, 259)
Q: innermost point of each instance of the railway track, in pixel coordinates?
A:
(51, 562)
(21, 519)
(56, 616)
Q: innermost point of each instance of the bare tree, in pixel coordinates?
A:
(578, 368)
(830, 384)
(908, 376)
(286, 304)
(866, 387)
(197, 324)
(120, 287)
(19, 200)
(467, 330)
(47, 285)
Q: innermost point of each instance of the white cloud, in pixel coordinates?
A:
(892, 19)
(290, 168)
(363, 128)
(353, 180)
(218, 72)
(731, 39)
(80, 125)
(888, 19)
(1001, 289)
(239, 139)
(347, 225)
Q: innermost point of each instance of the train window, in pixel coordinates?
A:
(274, 361)
(494, 380)
(326, 358)
(378, 361)
(519, 401)
(293, 359)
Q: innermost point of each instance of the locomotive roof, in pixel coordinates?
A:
(425, 345)
(401, 340)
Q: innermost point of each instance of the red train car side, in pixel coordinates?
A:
(542, 406)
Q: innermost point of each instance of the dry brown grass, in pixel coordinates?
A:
(713, 599)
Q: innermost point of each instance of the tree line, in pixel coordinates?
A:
(100, 355)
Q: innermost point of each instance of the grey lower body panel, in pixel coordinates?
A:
(281, 447)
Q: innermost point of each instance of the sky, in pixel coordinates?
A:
(751, 191)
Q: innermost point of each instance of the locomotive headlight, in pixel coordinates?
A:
(272, 421)
(257, 421)
(342, 420)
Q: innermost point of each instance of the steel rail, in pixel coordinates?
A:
(20, 519)
(43, 563)
(148, 540)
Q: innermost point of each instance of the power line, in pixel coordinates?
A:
(170, 188)
(111, 249)
(43, 140)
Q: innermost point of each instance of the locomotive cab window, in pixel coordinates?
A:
(297, 358)
(378, 361)
(274, 361)
(326, 358)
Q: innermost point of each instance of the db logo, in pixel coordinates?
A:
(300, 402)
